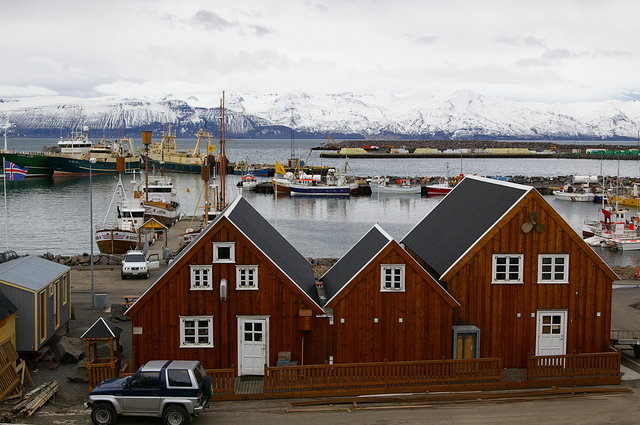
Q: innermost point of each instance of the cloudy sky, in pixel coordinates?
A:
(550, 51)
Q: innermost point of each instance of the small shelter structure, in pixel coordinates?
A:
(104, 352)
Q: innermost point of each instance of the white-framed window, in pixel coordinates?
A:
(553, 268)
(224, 252)
(196, 331)
(247, 277)
(392, 277)
(201, 278)
(507, 268)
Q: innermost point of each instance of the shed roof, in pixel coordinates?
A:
(102, 329)
(354, 260)
(31, 272)
(471, 209)
(6, 307)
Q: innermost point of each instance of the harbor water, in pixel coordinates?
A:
(53, 215)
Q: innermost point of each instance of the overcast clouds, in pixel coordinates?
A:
(550, 51)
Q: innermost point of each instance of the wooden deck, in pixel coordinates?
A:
(418, 376)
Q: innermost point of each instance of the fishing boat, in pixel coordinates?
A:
(126, 234)
(333, 184)
(569, 193)
(382, 185)
(165, 155)
(249, 182)
(629, 197)
(73, 156)
(159, 199)
(443, 186)
(438, 189)
(37, 164)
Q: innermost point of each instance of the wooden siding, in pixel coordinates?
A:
(25, 301)
(506, 313)
(425, 332)
(158, 311)
(8, 328)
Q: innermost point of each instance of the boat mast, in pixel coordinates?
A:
(223, 164)
(6, 127)
(146, 141)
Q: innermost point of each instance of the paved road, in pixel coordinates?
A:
(583, 410)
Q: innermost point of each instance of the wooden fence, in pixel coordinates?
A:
(223, 380)
(574, 365)
(380, 375)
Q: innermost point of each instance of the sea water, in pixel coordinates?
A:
(53, 215)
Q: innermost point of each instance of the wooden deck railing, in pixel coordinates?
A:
(224, 380)
(380, 375)
(574, 365)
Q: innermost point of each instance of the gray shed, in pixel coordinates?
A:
(40, 290)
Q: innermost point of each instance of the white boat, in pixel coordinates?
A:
(334, 184)
(249, 182)
(126, 233)
(160, 199)
(618, 229)
(574, 195)
(381, 184)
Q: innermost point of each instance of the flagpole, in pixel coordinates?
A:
(6, 215)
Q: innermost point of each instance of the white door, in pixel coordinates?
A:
(253, 345)
(551, 333)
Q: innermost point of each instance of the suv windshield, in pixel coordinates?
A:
(134, 258)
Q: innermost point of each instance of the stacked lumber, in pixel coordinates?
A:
(36, 398)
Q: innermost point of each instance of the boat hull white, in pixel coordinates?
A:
(573, 196)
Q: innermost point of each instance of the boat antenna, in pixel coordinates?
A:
(223, 164)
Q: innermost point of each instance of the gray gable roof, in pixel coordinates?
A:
(273, 244)
(257, 229)
(473, 207)
(6, 307)
(354, 260)
(31, 272)
(102, 329)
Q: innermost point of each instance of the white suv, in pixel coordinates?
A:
(134, 264)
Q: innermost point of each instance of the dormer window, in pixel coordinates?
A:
(392, 277)
(224, 252)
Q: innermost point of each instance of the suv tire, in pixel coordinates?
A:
(103, 414)
(123, 276)
(175, 415)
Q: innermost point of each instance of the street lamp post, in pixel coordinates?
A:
(91, 162)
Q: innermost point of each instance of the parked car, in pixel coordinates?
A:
(134, 264)
(174, 390)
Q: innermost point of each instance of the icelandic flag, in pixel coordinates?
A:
(13, 172)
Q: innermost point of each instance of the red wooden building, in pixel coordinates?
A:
(236, 296)
(527, 283)
(385, 306)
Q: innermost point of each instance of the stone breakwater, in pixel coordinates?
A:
(84, 259)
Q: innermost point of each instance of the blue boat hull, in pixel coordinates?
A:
(320, 190)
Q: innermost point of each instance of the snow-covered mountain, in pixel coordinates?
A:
(461, 115)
